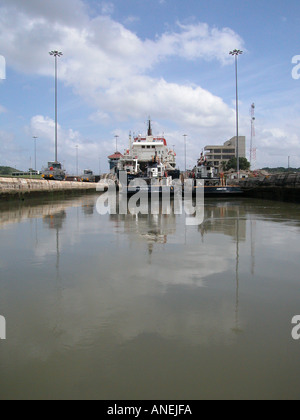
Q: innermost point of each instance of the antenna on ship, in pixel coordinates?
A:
(252, 142)
(149, 128)
(130, 142)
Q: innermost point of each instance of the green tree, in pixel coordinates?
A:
(232, 164)
(6, 170)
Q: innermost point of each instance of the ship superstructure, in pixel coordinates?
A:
(146, 153)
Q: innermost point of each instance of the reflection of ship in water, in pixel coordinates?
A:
(222, 217)
(153, 228)
(226, 219)
(55, 220)
(88, 209)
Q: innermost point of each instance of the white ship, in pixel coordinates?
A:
(145, 151)
(148, 158)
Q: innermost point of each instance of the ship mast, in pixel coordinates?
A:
(149, 128)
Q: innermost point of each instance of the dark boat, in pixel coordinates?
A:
(215, 185)
(219, 191)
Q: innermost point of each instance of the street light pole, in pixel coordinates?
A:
(185, 136)
(35, 137)
(116, 137)
(77, 170)
(56, 54)
(236, 53)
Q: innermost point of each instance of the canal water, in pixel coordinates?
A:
(146, 307)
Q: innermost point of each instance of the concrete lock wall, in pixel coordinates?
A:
(18, 186)
(282, 187)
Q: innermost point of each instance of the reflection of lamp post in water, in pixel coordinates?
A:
(236, 329)
(55, 222)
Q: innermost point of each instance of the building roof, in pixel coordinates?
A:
(116, 155)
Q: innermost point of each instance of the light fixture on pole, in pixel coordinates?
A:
(236, 53)
(35, 138)
(56, 54)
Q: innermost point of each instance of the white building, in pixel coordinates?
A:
(215, 155)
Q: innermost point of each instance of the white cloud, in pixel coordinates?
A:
(107, 8)
(274, 145)
(11, 153)
(196, 41)
(70, 12)
(43, 127)
(108, 65)
(100, 117)
(131, 19)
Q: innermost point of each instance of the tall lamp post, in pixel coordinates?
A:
(185, 136)
(35, 138)
(56, 54)
(116, 137)
(77, 168)
(236, 53)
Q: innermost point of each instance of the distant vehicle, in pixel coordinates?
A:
(54, 172)
(88, 176)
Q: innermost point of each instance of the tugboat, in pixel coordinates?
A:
(215, 184)
(54, 172)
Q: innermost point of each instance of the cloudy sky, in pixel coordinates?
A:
(126, 60)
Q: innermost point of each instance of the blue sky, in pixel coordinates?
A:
(127, 59)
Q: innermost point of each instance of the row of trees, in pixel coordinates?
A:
(280, 169)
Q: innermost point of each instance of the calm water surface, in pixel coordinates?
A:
(127, 307)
